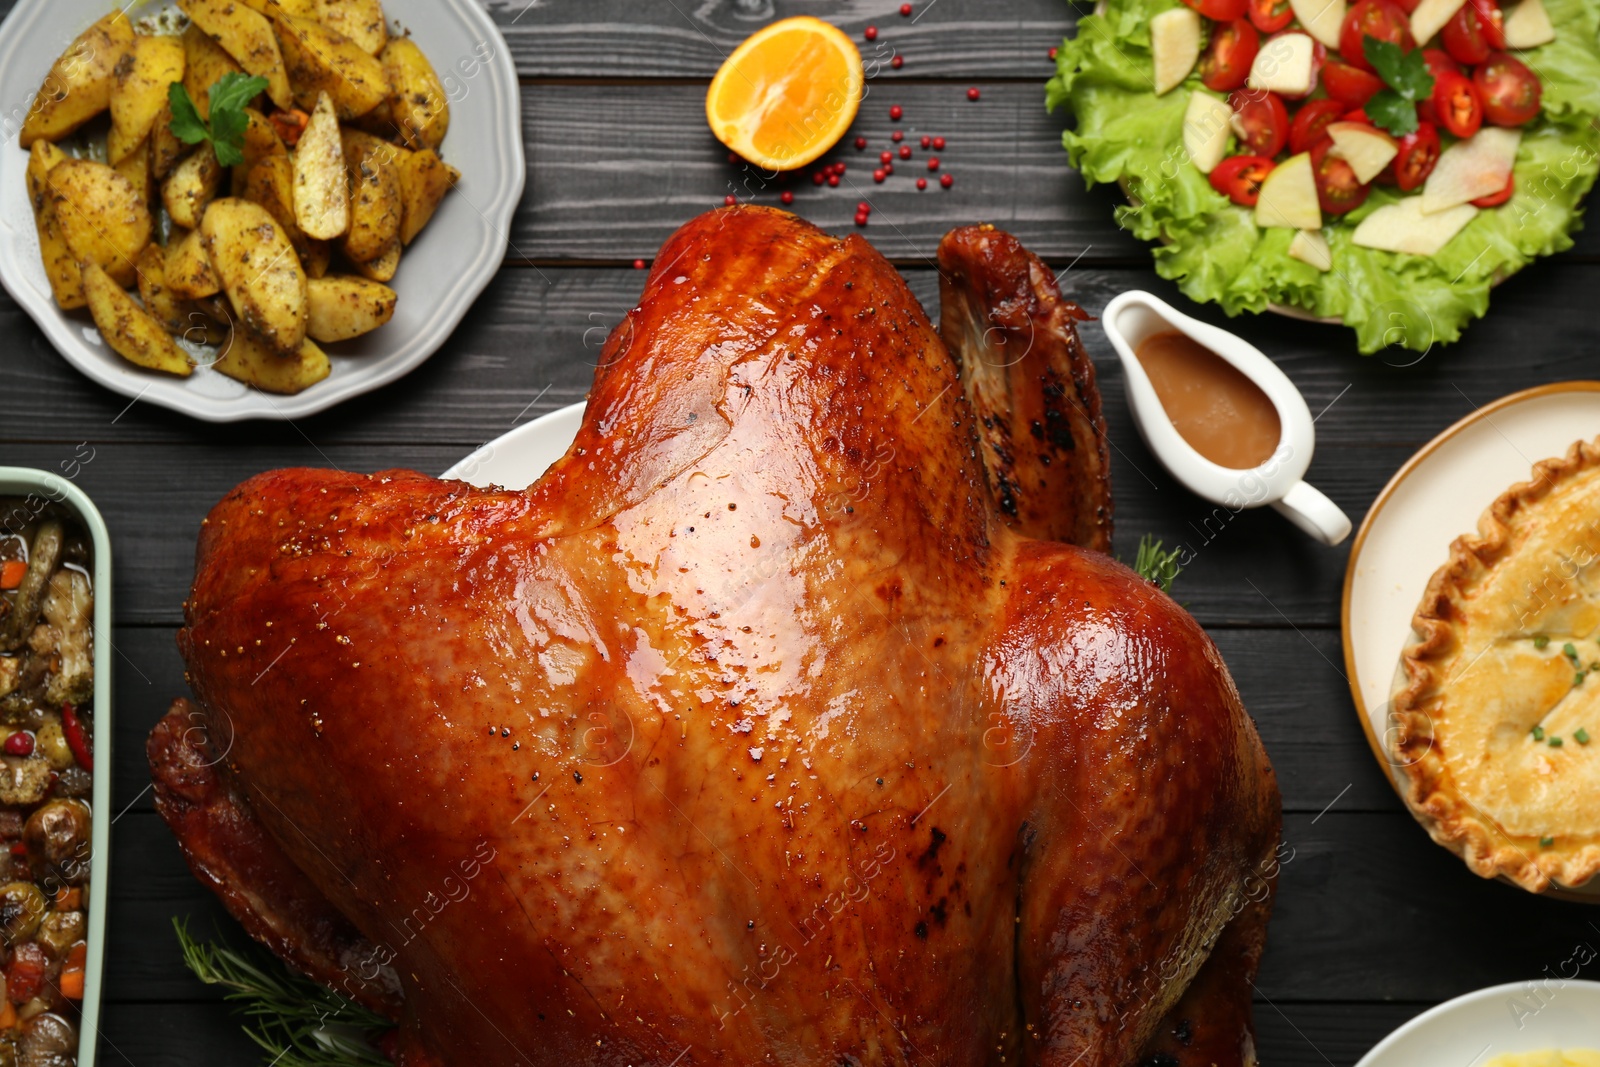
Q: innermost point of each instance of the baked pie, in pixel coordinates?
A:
(1497, 711)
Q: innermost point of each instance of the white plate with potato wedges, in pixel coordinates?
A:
(339, 295)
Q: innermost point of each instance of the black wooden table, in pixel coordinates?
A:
(1373, 922)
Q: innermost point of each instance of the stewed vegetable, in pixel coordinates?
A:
(46, 764)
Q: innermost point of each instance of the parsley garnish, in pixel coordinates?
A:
(1406, 74)
(228, 122)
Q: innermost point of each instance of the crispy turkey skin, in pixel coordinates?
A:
(761, 729)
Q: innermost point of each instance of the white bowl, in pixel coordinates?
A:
(1548, 1012)
(441, 273)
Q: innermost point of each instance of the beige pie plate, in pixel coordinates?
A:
(1437, 496)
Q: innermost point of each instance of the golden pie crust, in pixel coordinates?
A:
(1496, 724)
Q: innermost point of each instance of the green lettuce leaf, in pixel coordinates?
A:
(1212, 248)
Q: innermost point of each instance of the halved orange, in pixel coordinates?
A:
(787, 94)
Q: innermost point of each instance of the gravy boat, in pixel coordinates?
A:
(1280, 481)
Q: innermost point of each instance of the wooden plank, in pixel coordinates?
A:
(1368, 908)
(206, 1035)
(529, 345)
(1309, 728)
(627, 39)
(527, 352)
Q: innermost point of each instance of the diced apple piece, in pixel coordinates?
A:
(1322, 19)
(1403, 227)
(1206, 125)
(1289, 196)
(1430, 16)
(1472, 168)
(1309, 246)
(1528, 25)
(1366, 148)
(1284, 65)
(1175, 46)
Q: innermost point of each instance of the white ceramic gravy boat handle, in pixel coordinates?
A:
(1280, 481)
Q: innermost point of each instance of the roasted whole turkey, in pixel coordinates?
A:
(796, 716)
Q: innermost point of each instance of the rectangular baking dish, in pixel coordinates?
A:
(40, 485)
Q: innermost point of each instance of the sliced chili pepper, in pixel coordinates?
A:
(72, 726)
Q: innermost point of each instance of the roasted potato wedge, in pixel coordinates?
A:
(271, 184)
(165, 148)
(342, 307)
(375, 206)
(181, 318)
(322, 61)
(360, 20)
(418, 105)
(130, 331)
(248, 36)
(382, 269)
(192, 185)
(260, 141)
(60, 265)
(305, 9)
(259, 271)
(189, 273)
(101, 216)
(140, 94)
(205, 62)
(321, 180)
(424, 181)
(79, 84)
(250, 361)
(135, 166)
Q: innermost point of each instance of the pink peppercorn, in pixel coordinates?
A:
(787, 196)
(938, 144)
(884, 157)
(905, 151)
(861, 142)
(833, 180)
(897, 62)
(922, 183)
(972, 93)
(870, 33)
(896, 112)
(897, 136)
(878, 176)
(638, 264)
(905, 9)
(926, 141)
(730, 200)
(933, 164)
(946, 180)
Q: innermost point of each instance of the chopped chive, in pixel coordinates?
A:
(1570, 651)
(1538, 733)
(1546, 842)
(1540, 640)
(1577, 679)
(1556, 742)
(1581, 736)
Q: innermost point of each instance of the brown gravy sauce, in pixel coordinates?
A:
(1220, 412)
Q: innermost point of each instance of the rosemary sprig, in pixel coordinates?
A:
(1157, 566)
(296, 1021)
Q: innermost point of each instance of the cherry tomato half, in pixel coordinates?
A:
(1493, 22)
(1383, 19)
(1496, 199)
(1456, 105)
(1419, 151)
(1358, 115)
(1439, 62)
(1311, 123)
(1463, 37)
(1263, 121)
(1348, 84)
(1270, 16)
(1338, 189)
(1509, 89)
(1239, 178)
(1219, 10)
(1226, 64)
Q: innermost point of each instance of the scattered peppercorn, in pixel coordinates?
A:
(870, 33)
(833, 180)
(926, 141)
(922, 183)
(897, 136)
(905, 151)
(817, 177)
(1052, 52)
(933, 163)
(896, 112)
(946, 180)
(905, 9)
(730, 200)
(897, 62)
(972, 93)
(787, 196)
(861, 142)
(878, 175)
(638, 264)
(938, 144)
(884, 157)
